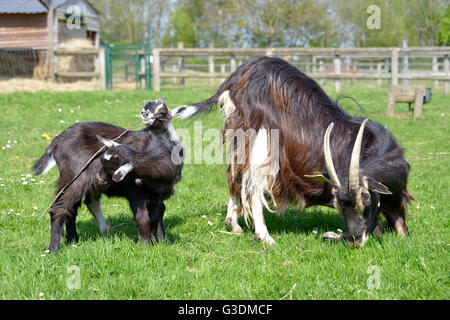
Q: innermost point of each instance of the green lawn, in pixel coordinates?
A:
(203, 261)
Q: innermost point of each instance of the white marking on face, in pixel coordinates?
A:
(364, 239)
(107, 156)
(159, 107)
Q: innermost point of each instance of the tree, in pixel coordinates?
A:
(133, 20)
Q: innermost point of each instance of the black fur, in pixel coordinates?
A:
(146, 187)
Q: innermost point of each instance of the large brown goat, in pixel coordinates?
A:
(305, 150)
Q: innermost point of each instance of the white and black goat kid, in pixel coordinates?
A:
(138, 166)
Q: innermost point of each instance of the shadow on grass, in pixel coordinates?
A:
(122, 226)
(303, 222)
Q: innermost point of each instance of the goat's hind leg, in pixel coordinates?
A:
(72, 234)
(61, 213)
(92, 201)
(261, 232)
(57, 217)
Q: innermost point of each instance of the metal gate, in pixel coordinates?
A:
(128, 66)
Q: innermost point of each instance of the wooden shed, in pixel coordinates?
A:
(25, 30)
(23, 23)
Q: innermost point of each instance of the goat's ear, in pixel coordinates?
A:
(319, 176)
(108, 143)
(378, 187)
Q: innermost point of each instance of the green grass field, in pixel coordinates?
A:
(203, 261)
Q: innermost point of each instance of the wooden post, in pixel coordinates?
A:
(232, 64)
(156, 70)
(321, 71)
(269, 51)
(418, 102)
(141, 72)
(100, 66)
(379, 65)
(394, 66)
(347, 67)
(386, 68)
(435, 69)
(174, 70)
(447, 73)
(211, 66)
(222, 70)
(314, 62)
(50, 68)
(354, 67)
(390, 110)
(181, 62)
(337, 70)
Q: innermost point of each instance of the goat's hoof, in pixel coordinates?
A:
(106, 230)
(235, 227)
(236, 230)
(266, 239)
(228, 222)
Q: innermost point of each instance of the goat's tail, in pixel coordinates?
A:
(45, 162)
(188, 111)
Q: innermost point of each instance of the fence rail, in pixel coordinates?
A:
(317, 64)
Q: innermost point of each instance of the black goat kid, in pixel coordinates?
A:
(138, 166)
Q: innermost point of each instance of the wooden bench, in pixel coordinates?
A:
(410, 93)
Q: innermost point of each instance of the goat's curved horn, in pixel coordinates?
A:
(328, 159)
(353, 175)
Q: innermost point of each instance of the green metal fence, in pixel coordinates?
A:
(128, 66)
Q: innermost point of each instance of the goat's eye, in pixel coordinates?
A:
(365, 197)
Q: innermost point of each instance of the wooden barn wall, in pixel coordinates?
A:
(23, 31)
(64, 33)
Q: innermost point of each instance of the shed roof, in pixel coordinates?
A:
(30, 6)
(22, 6)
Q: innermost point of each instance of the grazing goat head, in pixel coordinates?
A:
(357, 196)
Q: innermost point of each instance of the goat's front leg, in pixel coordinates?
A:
(142, 219)
(92, 201)
(232, 215)
(395, 214)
